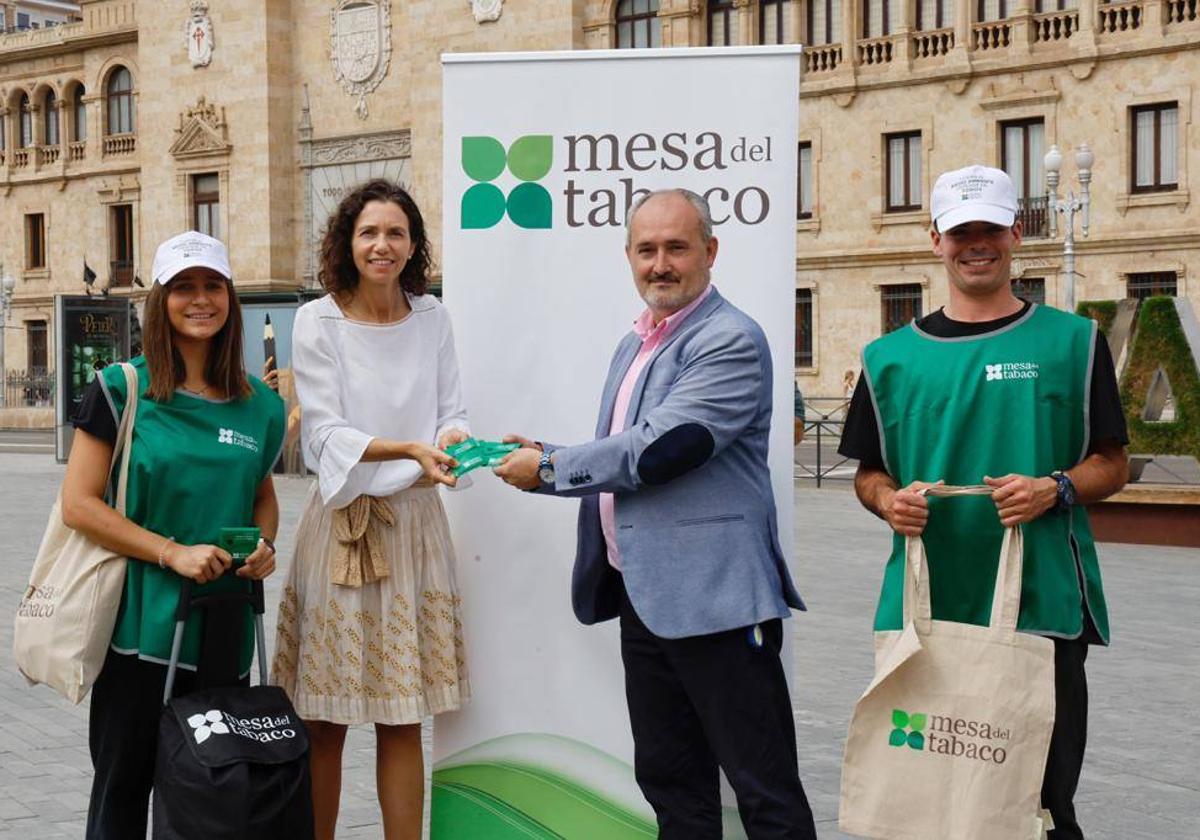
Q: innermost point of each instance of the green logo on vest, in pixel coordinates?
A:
(528, 204)
(907, 729)
(1010, 370)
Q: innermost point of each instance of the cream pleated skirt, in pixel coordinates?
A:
(390, 651)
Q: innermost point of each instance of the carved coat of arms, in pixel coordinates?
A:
(360, 46)
(198, 34)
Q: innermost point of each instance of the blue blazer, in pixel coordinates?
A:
(695, 514)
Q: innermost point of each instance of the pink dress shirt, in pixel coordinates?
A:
(652, 336)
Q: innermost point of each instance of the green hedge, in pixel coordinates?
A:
(1102, 311)
(1160, 341)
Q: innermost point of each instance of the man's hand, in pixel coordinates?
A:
(1020, 498)
(526, 443)
(520, 467)
(907, 509)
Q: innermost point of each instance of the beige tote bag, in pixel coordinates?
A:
(65, 622)
(949, 740)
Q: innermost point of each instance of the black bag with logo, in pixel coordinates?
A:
(232, 762)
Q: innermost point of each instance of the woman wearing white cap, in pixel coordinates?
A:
(205, 438)
(369, 627)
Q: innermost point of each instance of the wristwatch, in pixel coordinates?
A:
(546, 468)
(1066, 491)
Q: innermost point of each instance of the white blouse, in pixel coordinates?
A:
(357, 381)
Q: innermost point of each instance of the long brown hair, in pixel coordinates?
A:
(224, 368)
(338, 274)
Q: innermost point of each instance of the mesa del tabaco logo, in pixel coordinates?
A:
(602, 172)
(528, 204)
(950, 736)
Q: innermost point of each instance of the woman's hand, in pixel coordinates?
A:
(270, 375)
(201, 563)
(451, 437)
(260, 563)
(435, 463)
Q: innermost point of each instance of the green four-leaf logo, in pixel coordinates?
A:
(908, 729)
(484, 204)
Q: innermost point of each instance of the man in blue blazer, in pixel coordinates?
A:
(678, 538)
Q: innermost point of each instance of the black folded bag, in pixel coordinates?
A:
(232, 761)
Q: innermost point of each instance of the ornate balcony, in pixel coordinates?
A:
(120, 144)
(49, 154)
(873, 51)
(1182, 11)
(1119, 17)
(933, 43)
(993, 35)
(121, 272)
(823, 58)
(20, 158)
(77, 150)
(1055, 26)
(1033, 213)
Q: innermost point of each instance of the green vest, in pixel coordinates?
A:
(194, 468)
(957, 409)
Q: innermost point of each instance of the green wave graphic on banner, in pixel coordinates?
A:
(533, 785)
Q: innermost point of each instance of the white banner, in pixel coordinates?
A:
(542, 155)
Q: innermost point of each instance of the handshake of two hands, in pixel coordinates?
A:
(515, 459)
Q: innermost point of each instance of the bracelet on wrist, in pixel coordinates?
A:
(268, 543)
(162, 552)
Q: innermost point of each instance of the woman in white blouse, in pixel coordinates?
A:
(369, 624)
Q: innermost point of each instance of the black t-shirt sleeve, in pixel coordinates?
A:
(95, 415)
(1106, 416)
(860, 433)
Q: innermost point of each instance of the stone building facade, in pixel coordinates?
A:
(251, 118)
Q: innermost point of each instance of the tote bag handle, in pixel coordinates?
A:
(1006, 597)
(124, 443)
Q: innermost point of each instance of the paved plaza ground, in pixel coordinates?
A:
(1141, 778)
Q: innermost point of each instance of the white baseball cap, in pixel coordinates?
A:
(189, 250)
(973, 194)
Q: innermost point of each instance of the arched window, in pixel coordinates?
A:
(120, 102)
(638, 24)
(79, 126)
(722, 23)
(50, 119)
(25, 135)
(775, 21)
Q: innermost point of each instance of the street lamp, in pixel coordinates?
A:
(7, 284)
(1068, 207)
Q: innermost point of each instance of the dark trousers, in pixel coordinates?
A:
(1069, 739)
(707, 701)
(123, 738)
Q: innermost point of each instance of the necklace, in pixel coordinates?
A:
(194, 392)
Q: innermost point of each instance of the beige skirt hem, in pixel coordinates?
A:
(355, 710)
(390, 651)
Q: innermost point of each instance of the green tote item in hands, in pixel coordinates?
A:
(472, 454)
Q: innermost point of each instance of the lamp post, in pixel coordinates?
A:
(7, 284)
(1069, 206)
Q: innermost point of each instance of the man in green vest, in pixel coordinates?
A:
(1020, 396)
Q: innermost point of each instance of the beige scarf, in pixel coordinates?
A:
(360, 554)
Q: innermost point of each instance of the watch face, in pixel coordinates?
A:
(546, 474)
